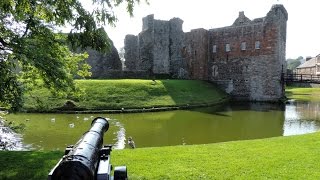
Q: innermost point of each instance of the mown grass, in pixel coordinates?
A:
(294, 157)
(130, 93)
(303, 94)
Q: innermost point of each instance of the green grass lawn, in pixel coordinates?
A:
(303, 94)
(294, 157)
(130, 93)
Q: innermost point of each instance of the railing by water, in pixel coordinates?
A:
(302, 78)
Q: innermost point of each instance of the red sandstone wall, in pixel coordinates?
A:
(196, 53)
(236, 35)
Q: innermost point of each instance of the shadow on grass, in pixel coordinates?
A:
(193, 93)
(27, 164)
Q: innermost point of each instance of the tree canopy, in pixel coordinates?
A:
(31, 49)
(294, 63)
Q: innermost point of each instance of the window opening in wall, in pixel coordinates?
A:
(228, 49)
(214, 48)
(257, 45)
(243, 46)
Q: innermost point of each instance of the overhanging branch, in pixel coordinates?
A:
(3, 43)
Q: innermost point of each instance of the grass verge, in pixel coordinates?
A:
(294, 157)
(129, 94)
(303, 94)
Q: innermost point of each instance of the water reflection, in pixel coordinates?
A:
(120, 136)
(197, 126)
(301, 118)
(207, 125)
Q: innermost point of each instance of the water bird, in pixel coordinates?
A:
(77, 117)
(86, 119)
(53, 119)
(183, 141)
(71, 125)
(131, 143)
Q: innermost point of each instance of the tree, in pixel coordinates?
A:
(29, 42)
(294, 63)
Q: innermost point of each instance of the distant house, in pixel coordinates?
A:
(311, 66)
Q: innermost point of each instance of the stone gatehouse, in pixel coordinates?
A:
(247, 59)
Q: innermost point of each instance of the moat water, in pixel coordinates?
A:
(184, 127)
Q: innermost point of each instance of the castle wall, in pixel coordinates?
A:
(146, 44)
(131, 52)
(102, 63)
(178, 65)
(196, 53)
(246, 70)
(279, 16)
(247, 59)
(161, 58)
(250, 73)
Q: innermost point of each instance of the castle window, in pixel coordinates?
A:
(243, 46)
(228, 49)
(257, 45)
(214, 48)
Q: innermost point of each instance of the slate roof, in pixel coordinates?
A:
(310, 63)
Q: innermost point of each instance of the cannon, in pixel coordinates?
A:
(88, 159)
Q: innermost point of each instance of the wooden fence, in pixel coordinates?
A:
(302, 78)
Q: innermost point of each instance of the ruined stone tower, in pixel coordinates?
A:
(103, 64)
(246, 59)
(157, 47)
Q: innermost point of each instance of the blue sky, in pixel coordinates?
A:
(303, 30)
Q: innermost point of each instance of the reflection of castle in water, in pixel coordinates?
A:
(237, 121)
(308, 110)
(207, 125)
(301, 118)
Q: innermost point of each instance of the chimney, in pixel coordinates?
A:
(241, 14)
(308, 58)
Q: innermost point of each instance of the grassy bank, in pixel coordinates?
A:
(118, 94)
(303, 94)
(295, 157)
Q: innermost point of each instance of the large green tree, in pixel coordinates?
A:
(30, 45)
(294, 63)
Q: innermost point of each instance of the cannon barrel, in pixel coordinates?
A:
(81, 161)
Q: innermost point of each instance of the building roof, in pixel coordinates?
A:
(309, 63)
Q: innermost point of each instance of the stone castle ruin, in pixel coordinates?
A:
(104, 64)
(247, 59)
